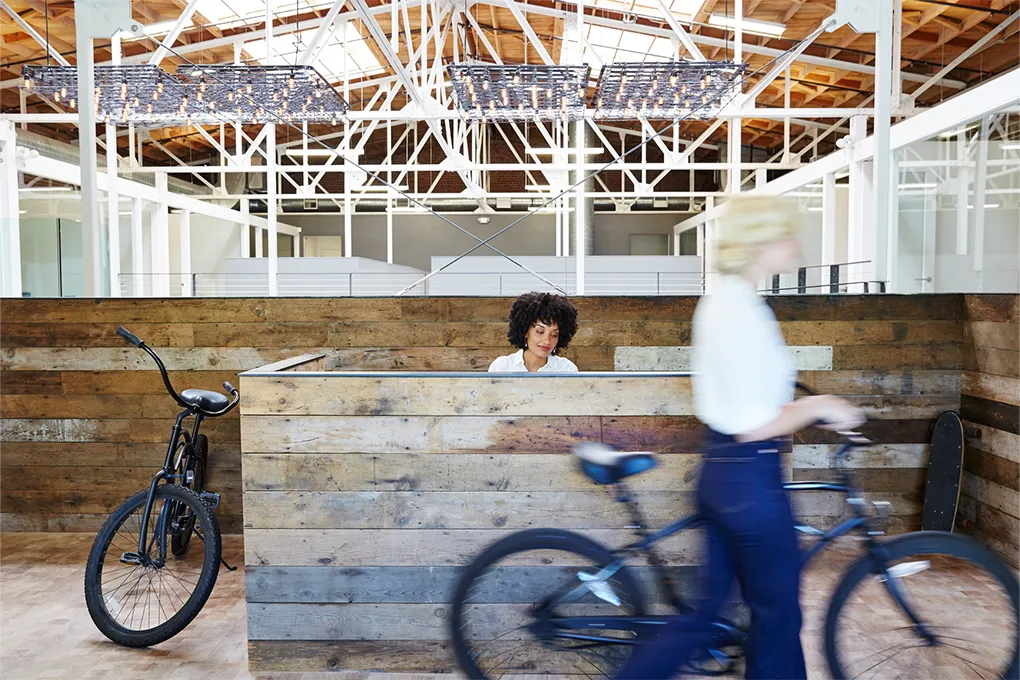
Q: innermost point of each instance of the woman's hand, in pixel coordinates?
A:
(836, 414)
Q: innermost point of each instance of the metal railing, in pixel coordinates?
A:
(835, 285)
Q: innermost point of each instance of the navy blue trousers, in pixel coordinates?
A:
(751, 539)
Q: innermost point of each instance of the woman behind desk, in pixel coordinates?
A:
(541, 324)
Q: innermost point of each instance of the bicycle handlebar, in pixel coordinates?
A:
(129, 336)
(140, 344)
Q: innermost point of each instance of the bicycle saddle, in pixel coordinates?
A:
(205, 400)
(604, 465)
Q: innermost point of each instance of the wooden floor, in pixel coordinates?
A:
(46, 632)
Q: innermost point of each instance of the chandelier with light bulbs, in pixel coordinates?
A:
(146, 95)
(671, 90)
(523, 92)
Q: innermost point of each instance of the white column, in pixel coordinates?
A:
(259, 250)
(245, 228)
(708, 247)
(859, 203)
(112, 196)
(271, 189)
(160, 246)
(761, 178)
(735, 124)
(883, 179)
(185, 229)
(897, 46)
(928, 239)
(828, 222)
(137, 251)
(980, 181)
(88, 158)
(892, 245)
(389, 230)
(580, 212)
(962, 193)
(10, 218)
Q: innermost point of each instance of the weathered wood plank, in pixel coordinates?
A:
(999, 442)
(996, 529)
(304, 362)
(866, 307)
(877, 480)
(30, 382)
(140, 382)
(404, 656)
(993, 387)
(416, 547)
(92, 406)
(176, 310)
(91, 523)
(1000, 308)
(871, 332)
(896, 357)
(263, 335)
(814, 456)
(381, 434)
(990, 413)
(679, 358)
(235, 359)
(591, 509)
(38, 477)
(517, 472)
(991, 494)
(919, 383)
(988, 466)
(418, 358)
(85, 454)
(93, 334)
(992, 334)
(482, 396)
(64, 430)
(393, 585)
(92, 500)
(1003, 362)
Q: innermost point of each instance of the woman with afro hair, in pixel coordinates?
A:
(541, 324)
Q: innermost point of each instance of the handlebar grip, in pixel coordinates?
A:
(129, 336)
(229, 388)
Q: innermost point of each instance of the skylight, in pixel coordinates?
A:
(685, 9)
(288, 48)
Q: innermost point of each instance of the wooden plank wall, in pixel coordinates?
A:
(990, 403)
(84, 415)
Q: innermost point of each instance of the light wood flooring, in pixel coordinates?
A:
(46, 632)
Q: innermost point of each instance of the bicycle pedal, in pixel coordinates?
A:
(211, 499)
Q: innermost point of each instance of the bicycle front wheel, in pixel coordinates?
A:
(138, 599)
(965, 598)
(503, 617)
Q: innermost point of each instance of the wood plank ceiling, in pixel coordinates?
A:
(934, 33)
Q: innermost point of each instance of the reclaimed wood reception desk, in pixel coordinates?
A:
(365, 492)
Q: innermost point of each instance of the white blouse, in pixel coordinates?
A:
(514, 363)
(744, 373)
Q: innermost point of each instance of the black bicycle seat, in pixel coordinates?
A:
(604, 465)
(205, 400)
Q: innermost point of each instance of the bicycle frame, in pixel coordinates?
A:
(860, 520)
(166, 473)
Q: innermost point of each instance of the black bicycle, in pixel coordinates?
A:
(919, 605)
(144, 581)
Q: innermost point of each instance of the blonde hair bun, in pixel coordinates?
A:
(749, 223)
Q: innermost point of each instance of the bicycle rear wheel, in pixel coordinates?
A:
(138, 600)
(504, 603)
(966, 597)
(193, 470)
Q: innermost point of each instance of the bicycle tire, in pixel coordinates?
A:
(196, 464)
(531, 539)
(907, 545)
(94, 600)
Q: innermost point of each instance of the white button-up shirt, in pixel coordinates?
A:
(744, 373)
(514, 363)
